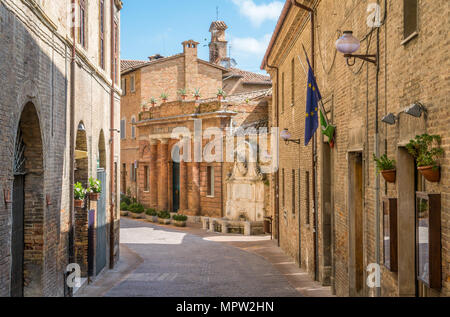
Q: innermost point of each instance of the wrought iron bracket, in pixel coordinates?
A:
(368, 58)
(296, 141)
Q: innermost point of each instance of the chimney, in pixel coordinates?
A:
(155, 57)
(190, 64)
(218, 45)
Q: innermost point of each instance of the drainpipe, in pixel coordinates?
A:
(377, 153)
(314, 147)
(277, 173)
(111, 167)
(71, 241)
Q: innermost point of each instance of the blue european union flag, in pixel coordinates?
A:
(312, 106)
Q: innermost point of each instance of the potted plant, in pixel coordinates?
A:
(243, 217)
(196, 94)
(123, 209)
(164, 217)
(179, 220)
(137, 211)
(79, 195)
(221, 94)
(164, 97)
(426, 149)
(153, 101)
(386, 167)
(144, 107)
(151, 215)
(183, 93)
(94, 189)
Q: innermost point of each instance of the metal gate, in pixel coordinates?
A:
(100, 257)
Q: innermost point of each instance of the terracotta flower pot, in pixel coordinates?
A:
(94, 196)
(220, 97)
(389, 175)
(123, 213)
(183, 97)
(197, 98)
(430, 173)
(164, 100)
(78, 203)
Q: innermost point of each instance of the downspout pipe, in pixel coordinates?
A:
(314, 145)
(111, 164)
(71, 242)
(277, 173)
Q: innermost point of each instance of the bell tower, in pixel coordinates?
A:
(218, 44)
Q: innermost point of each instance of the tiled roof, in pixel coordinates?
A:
(219, 25)
(249, 77)
(126, 64)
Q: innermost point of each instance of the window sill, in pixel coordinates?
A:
(409, 38)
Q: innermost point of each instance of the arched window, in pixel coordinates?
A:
(133, 128)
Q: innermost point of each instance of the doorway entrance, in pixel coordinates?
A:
(356, 232)
(176, 186)
(27, 208)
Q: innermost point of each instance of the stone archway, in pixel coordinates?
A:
(27, 237)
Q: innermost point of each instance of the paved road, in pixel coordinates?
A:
(184, 265)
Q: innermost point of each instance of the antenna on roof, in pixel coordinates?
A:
(217, 13)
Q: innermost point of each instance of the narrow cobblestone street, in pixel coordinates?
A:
(164, 262)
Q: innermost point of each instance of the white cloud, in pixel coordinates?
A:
(250, 45)
(259, 13)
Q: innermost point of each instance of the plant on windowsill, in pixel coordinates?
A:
(426, 150)
(386, 167)
(164, 217)
(151, 215)
(179, 220)
(79, 195)
(144, 107)
(196, 94)
(164, 97)
(153, 101)
(183, 93)
(94, 189)
(221, 94)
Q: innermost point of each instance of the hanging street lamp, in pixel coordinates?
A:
(347, 44)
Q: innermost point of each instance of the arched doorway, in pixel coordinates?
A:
(81, 156)
(27, 241)
(101, 243)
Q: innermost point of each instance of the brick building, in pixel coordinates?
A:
(36, 182)
(337, 230)
(143, 80)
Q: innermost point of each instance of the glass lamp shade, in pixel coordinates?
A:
(347, 43)
(286, 135)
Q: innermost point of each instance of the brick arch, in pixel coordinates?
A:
(102, 150)
(82, 165)
(28, 202)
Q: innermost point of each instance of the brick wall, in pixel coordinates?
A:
(36, 72)
(350, 97)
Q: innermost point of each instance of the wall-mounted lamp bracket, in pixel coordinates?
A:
(368, 58)
(7, 196)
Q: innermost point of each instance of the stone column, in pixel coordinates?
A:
(153, 173)
(163, 194)
(194, 200)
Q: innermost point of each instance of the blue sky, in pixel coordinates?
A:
(150, 27)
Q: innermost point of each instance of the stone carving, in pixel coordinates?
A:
(245, 191)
